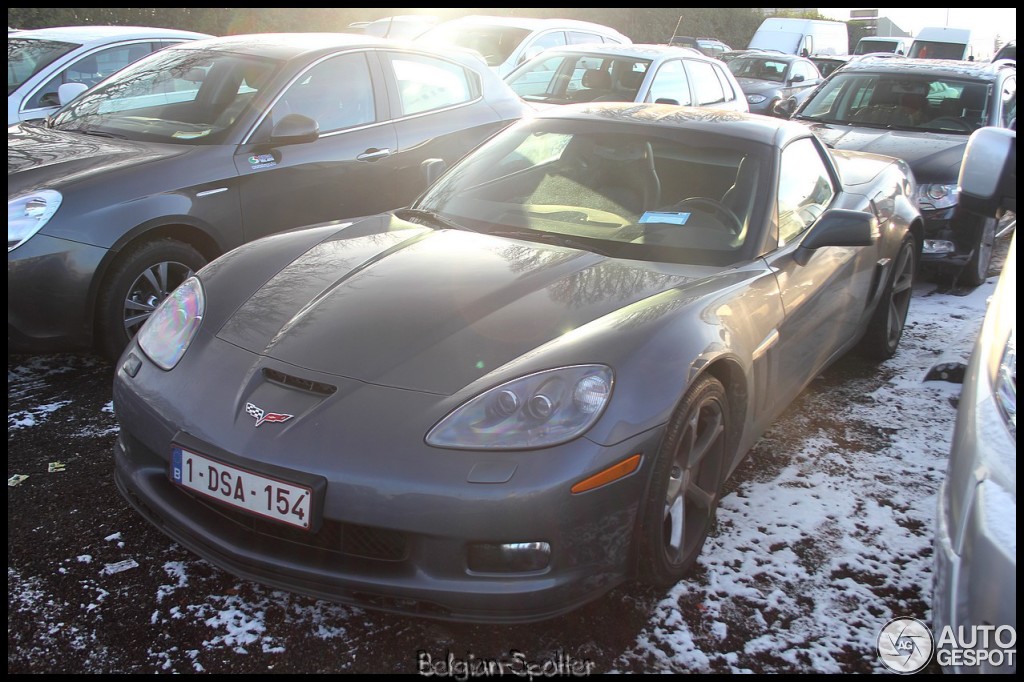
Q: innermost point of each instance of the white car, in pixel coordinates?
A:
(507, 42)
(627, 73)
(40, 61)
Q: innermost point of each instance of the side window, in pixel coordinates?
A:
(582, 37)
(543, 42)
(426, 83)
(805, 189)
(804, 69)
(336, 93)
(730, 93)
(706, 86)
(90, 70)
(670, 82)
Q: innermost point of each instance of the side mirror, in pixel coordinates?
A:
(784, 108)
(432, 169)
(797, 78)
(68, 91)
(839, 227)
(666, 100)
(988, 173)
(295, 129)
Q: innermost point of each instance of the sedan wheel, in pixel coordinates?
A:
(687, 483)
(139, 282)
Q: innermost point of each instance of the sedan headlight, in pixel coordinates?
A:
(936, 196)
(27, 214)
(756, 99)
(166, 335)
(538, 410)
(1005, 387)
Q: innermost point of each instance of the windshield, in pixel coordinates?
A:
(867, 46)
(928, 49)
(761, 68)
(901, 101)
(28, 56)
(494, 43)
(564, 78)
(627, 191)
(184, 96)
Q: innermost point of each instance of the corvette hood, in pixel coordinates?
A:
(433, 310)
(38, 156)
(934, 157)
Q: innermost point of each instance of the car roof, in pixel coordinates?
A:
(754, 128)
(950, 68)
(103, 34)
(530, 23)
(756, 53)
(635, 50)
(290, 45)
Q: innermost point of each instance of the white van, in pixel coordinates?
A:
(942, 42)
(802, 36)
(507, 42)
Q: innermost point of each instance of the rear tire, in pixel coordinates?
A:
(885, 329)
(686, 484)
(142, 277)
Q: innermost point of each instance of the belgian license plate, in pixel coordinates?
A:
(268, 497)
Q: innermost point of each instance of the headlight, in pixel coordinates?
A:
(936, 196)
(27, 214)
(167, 333)
(538, 410)
(1005, 387)
(756, 99)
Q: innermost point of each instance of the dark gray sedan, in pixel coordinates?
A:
(768, 78)
(201, 147)
(531, 385)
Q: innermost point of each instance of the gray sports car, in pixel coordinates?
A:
(531, 385)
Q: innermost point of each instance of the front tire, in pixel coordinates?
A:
(975, 271)
(686, 484)
(890, 317)
(141, 278)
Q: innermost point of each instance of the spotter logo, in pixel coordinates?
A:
(905, 645)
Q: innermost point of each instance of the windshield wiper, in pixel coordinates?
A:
(430, 219)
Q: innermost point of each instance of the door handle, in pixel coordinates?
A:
(373, 154)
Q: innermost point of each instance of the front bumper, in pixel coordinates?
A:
(49, 293)
(398, 516)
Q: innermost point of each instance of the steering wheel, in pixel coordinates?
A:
(731, 220)
(960, 123)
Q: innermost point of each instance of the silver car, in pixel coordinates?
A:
(975, 588)
(627, 73)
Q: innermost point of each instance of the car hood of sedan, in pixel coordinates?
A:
(434, 310)
(755, 86)
(37, 155)
(934, 157)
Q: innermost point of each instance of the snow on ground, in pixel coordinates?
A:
(824, 535)
(803, 557)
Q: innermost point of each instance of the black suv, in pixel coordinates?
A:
(922, 111)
